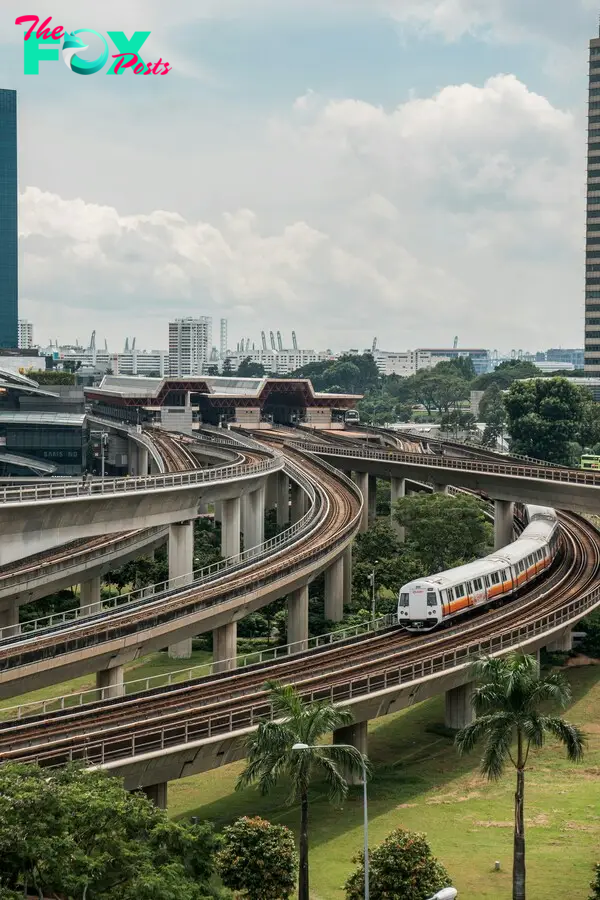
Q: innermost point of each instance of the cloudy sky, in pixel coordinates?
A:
(406, 169)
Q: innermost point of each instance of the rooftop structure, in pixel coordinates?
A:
(9, 230)
(592, 254)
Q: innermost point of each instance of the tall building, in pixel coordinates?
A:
(190, 344)
(592, 248)
(223, 341)
(25, 338)
(9, 228)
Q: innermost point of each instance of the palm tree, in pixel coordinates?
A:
(270, 756)
(510, 700)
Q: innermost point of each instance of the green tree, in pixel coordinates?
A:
(270, 757)
(249, 369)
(118, 845)
(544, 416)
(493, 412)
(443, 530)
(504, 374)
(510, 700)
(259, 859)
(595, 884)
(227, 367)
(401, 868)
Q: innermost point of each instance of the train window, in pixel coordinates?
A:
(506, 575)
(431, 598)
(495, 578)
(403, 599)
(459, 590)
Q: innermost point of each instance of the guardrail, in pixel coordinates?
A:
(117, 486)
(201, 728)
(564, 476)
(163, 589)
(158, 613)
(167, 679)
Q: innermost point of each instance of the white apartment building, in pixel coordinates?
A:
(281, 362)
(128, 362)
(190, 345)
(25, 335)
(405, 363)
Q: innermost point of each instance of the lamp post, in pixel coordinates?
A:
(372, 580)
(301, 746)
(103, 444)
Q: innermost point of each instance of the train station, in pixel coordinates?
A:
(179, 403)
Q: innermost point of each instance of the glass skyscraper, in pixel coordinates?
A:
(9, 231)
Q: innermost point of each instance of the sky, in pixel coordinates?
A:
(411, 170)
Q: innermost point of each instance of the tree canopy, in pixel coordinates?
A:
(119, 846)
(445, 531)
(258, 858)
(249, 369)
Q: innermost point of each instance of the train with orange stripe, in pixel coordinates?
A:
(425, 603)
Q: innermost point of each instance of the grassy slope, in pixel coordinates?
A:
(421, 784)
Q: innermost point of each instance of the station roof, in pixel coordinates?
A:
(11, 381)
(28, 462)
(75, 420)
(134, 390)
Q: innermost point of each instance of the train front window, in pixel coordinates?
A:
(431, 598)
(403, 599)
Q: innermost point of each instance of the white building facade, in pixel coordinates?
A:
(190, 345)
(25, 335)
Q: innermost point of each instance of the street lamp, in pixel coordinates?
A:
(372, 581)
(301, 746)
(103, 445)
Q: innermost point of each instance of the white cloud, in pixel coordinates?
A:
(459, 213)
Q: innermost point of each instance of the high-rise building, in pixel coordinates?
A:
(223, 341)
(592, 248)
(9, 228)
(190, 344)
(25, 337)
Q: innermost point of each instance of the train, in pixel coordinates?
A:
(427, 603)
(351, 417)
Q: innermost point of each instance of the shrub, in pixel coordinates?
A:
(595, 884)
(259, 859)
(401, 868)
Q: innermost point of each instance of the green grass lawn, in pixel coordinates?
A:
(153, 664)
(419, 783)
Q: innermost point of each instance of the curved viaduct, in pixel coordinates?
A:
(202, 723)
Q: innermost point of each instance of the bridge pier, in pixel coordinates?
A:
(271, 492)
(334, 591)
(9, 619)
(218, 512)
(142, 455)
(298, 498)
(225, 647)
(230, 527)
(440, 488)
(562, 643)
(254, 518)
(397, 490)
(90, 596)
(372, 498)
(157, 793)
(181, 565)
(348, 575)
(356, 735)
(361, 479)
(110, 682)
(459, 711)
(133, 460)
(297, 618)
(283, 500)
(504, 513)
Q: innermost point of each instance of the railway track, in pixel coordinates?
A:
(219, 704)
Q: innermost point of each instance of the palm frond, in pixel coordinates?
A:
(285, 700)
(552, 688)
(337, 786)
(471, 734)
(497, 750)
(572, 737)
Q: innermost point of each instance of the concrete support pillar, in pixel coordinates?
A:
(297, 620)
(218, 511)
(225, 647)
(334, 591)
(298, 505)
(271, 491)
(397, 490)
(230, 527)
(440, 488)
(142, 453)
(347, 575)
(355, 735)
(132, 458)
(90, 597)
(181, 566)
(157, 793)
(372, 498)
(9, 619)
(459, 711)
(562, 643)
(111, 681)
(254, 519)
(504, 512)
(361, 479)
(283, 500)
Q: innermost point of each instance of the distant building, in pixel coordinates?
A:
(592, 254)
(405, 363)
(480, 358)
(25, 337)
(94, 361)
(564, 355)
(280, 362)
(190, 345)
(9, 224)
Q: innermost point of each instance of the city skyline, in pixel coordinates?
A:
(402, 156)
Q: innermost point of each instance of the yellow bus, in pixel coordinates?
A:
(590, 461)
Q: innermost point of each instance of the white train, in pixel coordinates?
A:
(427, 602)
